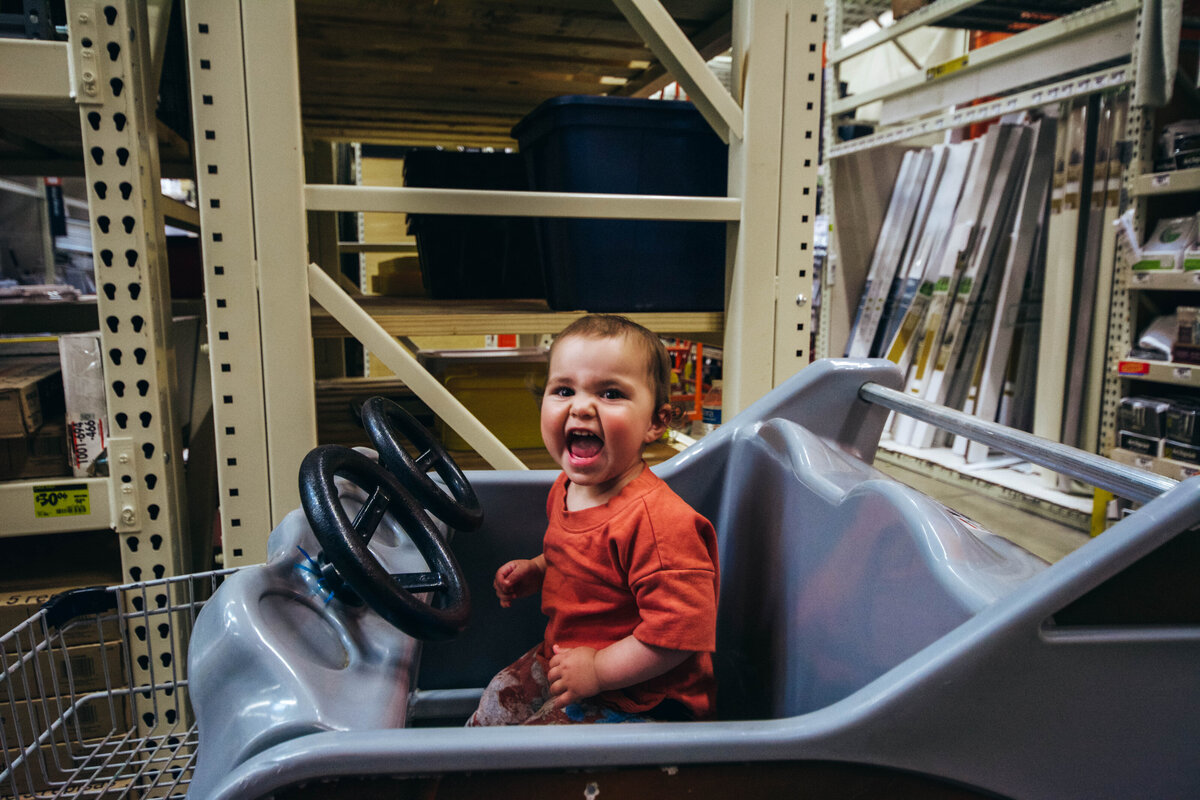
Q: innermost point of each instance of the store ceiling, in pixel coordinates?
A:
(463, 72)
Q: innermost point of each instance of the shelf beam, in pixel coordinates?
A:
(1036, 97)
(926, 15)
(38, 506)
(1083, 40)
(418, 317)
(675, 51)
(34, 74)
(412, 200)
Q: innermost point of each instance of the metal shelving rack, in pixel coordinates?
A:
(1092, 48)
(250, 156)
(106, 71)
(1154, 81)
(102, 71)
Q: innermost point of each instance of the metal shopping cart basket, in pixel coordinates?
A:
(93, 692)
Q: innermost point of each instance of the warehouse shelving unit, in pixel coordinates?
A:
(1090, 50)
(1151, 194)
(254, 200)
(104, 79)
(100, 77)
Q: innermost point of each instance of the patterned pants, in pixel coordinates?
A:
(520, 695)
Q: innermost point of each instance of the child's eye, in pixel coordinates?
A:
(612, 394)
(562, 391)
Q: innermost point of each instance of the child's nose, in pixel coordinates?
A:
(581, 407)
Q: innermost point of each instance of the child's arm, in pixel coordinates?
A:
(519, 578)
(577, 673)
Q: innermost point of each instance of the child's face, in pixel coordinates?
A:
(598, 410)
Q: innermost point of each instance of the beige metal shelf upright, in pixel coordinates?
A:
(1080, 54)
(104, 71)
(254, 200)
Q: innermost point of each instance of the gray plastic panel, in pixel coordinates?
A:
(860, 622)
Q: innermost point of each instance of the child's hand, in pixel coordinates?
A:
(518, 579)
(573, 675)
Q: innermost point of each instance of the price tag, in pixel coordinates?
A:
(1143, 462)
(1141, 277)
(1183, 373)
(1160, 180)
(61, 500)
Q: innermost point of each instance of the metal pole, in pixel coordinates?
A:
(1124, 481)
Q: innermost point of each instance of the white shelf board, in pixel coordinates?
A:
(1171, 182)
(1160, 372)
(1176, 470)
(1167, 280)
(28, 506)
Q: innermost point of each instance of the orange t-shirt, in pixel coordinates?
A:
(644, 563)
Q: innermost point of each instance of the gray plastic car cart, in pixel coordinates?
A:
(871, 643)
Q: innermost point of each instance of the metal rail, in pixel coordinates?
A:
(1120, 479)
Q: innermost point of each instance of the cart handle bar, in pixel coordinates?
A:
(1122, 480)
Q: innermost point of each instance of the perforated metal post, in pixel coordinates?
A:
(216, 67)
(109, 54)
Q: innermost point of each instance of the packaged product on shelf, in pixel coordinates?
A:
(1186, 349)
(1164, 250)
(1177, 146)
(30, 388)
(1182, 422)
(1145, 416)
(1137, 443)
(1191, 254)
(41, 454)
(83, 389)
(1178, 451)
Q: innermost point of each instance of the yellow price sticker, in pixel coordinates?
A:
(941, 70)
(61, 500)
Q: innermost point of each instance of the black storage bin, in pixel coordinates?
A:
(468, 256)
(620, 145)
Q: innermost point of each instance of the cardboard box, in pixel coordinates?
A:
(91, 718)
(84, 667)
(17, 605)
(30, 388)
(500, 386)
(42, 454)
(902, 8)
(399, 277)
(87, 428)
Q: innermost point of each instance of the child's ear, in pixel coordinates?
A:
(658, 423)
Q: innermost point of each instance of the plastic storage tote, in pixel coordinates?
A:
(473, 257)
(621, 145)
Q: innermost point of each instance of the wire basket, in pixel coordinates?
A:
(93, 692)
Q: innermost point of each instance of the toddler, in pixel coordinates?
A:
(628, 571)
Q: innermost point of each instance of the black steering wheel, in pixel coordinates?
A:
(384, 421)
(345, 544)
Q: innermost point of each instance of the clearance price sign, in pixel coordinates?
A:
(61, 500)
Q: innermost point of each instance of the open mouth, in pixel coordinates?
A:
(583, 445)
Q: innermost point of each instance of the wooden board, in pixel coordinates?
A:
(463, 72)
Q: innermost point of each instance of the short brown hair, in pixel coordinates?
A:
(605, 326)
